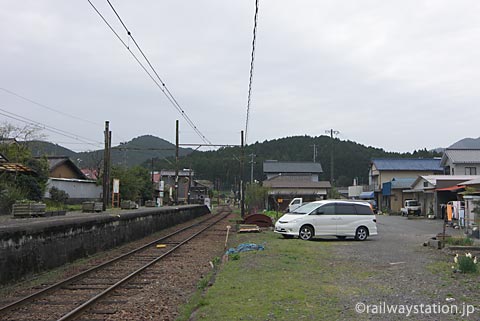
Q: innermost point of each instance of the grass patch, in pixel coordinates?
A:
(273, 214)
(440, 268)
(289, 280)
(463, 241)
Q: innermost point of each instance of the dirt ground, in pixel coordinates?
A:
(403, 272)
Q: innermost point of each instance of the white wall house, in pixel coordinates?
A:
(461, 161)
(78, 189)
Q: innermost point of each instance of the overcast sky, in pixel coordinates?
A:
(399, 75)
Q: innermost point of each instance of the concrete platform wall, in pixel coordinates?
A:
(31, 248)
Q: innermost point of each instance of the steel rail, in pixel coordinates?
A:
(74, 313)
(82, 274)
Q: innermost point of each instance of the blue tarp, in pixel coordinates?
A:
(367, 195)
(244, 247)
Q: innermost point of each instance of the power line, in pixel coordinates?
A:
(47, 107)
(163, 86)
(254, 40)
(49, 128)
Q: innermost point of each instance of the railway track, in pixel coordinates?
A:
(106, 284)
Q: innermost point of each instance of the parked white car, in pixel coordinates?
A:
(329, 218)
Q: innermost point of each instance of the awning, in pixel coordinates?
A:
(455, 188)
(367, 195)
(418, 190)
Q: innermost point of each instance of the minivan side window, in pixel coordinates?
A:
(345, 209)
(328, 209)
(363, 209)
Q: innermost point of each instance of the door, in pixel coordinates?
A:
(346, 219)
(324, 220)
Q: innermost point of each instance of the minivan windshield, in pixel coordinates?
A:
(412, 203)
(305, 209)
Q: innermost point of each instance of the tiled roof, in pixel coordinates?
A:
(291, 167)
(408, 164)
(402, 183)
(15, 167)
(432, 179)
(294, 182)
(56, 161)
(463, 156)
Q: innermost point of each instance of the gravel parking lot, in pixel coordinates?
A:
(401, 271)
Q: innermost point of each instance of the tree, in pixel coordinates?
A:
(135, 183)
(255, 196)
(18, 186)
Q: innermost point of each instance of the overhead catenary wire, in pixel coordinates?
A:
(252, 63)
(162, 86)
(170, 95)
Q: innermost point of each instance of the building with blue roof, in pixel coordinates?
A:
(400, 170)
(392, 192)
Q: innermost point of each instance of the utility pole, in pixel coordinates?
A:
(242, 185)
(314, 152)
(176, 162)
(153, 183)
(105, 166)
(108, 166)
(251, 167)
(332, 132)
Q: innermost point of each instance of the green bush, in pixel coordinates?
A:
(466, 264)
(58, 195)
(9, 194)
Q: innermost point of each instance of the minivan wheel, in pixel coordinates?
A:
(306, 233)
(361, 234)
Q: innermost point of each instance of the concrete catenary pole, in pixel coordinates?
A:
(176, 161)
(105, 167)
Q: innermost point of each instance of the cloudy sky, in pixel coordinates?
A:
(399, 75)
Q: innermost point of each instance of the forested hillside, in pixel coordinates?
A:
(351, 160)
(132, 153)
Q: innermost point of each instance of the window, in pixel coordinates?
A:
(345, 209)
(470, 171)
(425, 184)
(328, 209)
(363, 209)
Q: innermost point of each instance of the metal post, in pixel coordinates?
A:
(189, 183)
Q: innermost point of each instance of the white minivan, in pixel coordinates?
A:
(329, 218)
